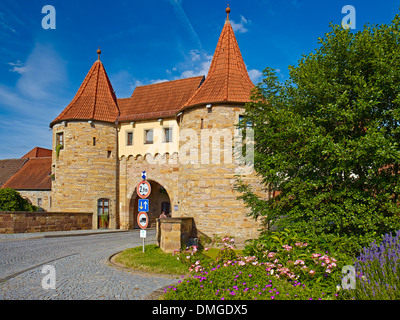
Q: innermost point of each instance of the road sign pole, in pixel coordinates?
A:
(143, 191)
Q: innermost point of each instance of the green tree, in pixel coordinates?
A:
(327, 140)
(11, 200)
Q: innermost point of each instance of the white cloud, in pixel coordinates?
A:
(158, 81)
(36, 100)
(255, 75)
(181, 15)
(197, 63)
(241, 26)
(17, 67)
(279, 73)
(5, 27)
(44, 69)
(195, 55)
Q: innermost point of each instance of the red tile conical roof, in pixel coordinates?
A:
(227, 80)
(95, 99)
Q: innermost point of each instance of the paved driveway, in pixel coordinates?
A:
(81, 268)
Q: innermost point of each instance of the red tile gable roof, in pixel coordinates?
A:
(9, 167)
(34, 175)
(37, 153)
(158, 100)
(227, 80)
(95, 99)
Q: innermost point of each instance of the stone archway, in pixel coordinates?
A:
(158, 200)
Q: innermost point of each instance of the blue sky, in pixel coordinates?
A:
(144, 42)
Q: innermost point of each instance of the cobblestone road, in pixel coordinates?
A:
(82, 271)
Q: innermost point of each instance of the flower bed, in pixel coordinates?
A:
(235, 282)
(290, 272)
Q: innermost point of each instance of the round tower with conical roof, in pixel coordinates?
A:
(85, 154)
(208, 169)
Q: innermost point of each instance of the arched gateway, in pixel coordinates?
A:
(159, 201)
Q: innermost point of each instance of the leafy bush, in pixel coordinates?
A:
(378, 271)
(11, 200)
(327, 138)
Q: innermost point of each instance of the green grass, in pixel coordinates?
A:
(152, 260)
(155, 261)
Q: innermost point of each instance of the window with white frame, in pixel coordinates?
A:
(167, 135)
(148, 136)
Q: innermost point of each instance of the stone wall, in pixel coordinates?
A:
(34, 195)
(86, 169)
(173, 233)
(27, 222)
(206, 190)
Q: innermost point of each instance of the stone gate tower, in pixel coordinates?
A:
(206, 178)
(85, 161)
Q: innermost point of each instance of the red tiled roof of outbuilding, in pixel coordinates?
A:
(34, 175)
(95, 99)
(37, 153)
(8, 168)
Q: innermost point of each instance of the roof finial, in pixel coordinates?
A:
(228, 10)
(99, 53)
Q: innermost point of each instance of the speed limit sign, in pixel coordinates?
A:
(143, 189)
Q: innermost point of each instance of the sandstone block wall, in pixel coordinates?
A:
(27, 222)
(206, 190)
(86, 169)
(173, 233)
(34, 195)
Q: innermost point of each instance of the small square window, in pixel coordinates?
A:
(39, 202)
(129, 138)
(167, 134)
(148, 136)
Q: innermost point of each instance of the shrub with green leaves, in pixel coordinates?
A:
(327, 139)
(11, 200)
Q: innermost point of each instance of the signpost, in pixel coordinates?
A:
(143, 220)
(143, 191)
(143, 205)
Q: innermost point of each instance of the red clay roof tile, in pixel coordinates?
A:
(227, 80)
(38, 153)
(34, 175)
(9, 167)
(158, 100)
(95, 99)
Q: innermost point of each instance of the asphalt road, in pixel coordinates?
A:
(79, 268)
